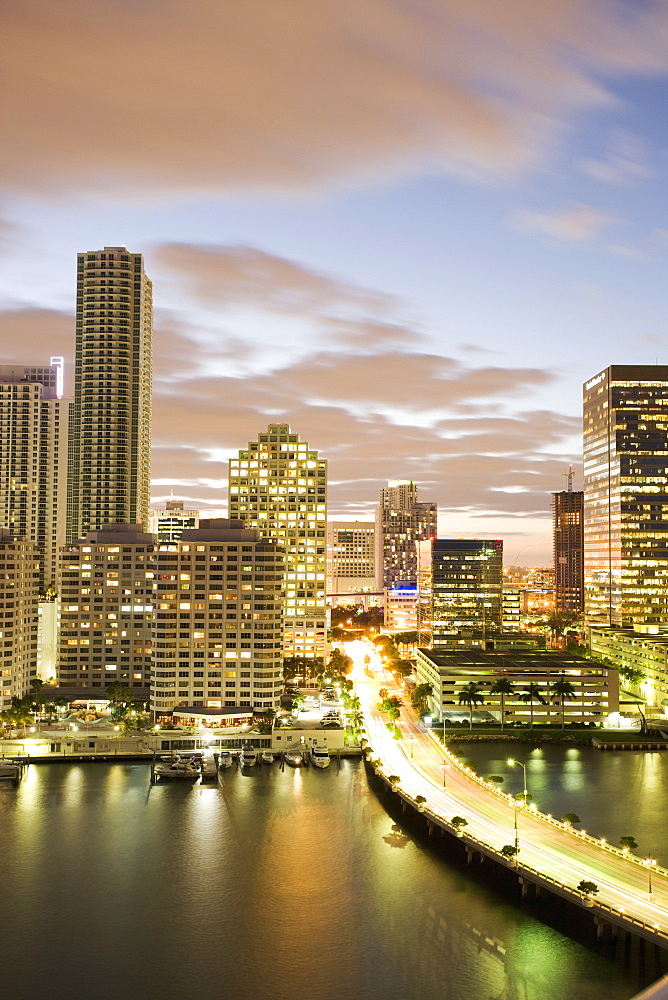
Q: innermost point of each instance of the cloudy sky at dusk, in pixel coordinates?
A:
(411, 230)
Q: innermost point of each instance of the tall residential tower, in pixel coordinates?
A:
(110, 430)
(279, 486)
(567, 534)
(401, 522)
(626, 496)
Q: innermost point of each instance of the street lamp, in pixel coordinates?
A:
(649, 862)
(524, 768)
(411, 740)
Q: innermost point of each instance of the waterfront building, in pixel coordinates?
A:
(595, 688)
(278, 485)
(106, 594)
(19, 595)
(568, 547)
(218, 626)
(169, 524)
(351, 557)
(33, 459)
(626, 496)
(110, 429)
(401, 521)
(643, 649)
(459, 586)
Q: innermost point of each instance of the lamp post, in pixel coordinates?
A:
(411, 740)
(524, 768)
(649, 862)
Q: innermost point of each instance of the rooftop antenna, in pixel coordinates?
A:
(569, 476)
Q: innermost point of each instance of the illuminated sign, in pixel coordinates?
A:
(594, 381)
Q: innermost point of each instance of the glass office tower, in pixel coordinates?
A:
(626, 496)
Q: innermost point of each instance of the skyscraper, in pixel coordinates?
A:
(33, 459)
(351, 557)
(170, 523)
(19, 592)
(568, 539)
(460, 586)
(401, 521)
(110, 430)
(626, 496)
(279, 486)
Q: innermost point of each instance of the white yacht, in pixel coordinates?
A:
(267, 757)
(248, 756)
(295, 758)
(320, 756)
(225, 759)
(184, 769)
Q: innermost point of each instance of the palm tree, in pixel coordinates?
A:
(563, 689)
(419, 698)
(471, 695)
(532, 694)
(503, 687)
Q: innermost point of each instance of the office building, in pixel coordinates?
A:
(595, 687)
(568, 547)
(106, 596)
(218, 628)
(33, 459)
(401, 521)
(641, 657)
(351, 557)
(459, 587)
(19, 594)
(626, 496)
(169, 524)
(110, 429)
(278, 485)
(401, 607)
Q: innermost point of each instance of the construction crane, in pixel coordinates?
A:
(569, 476)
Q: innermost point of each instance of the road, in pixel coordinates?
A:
(424, 769)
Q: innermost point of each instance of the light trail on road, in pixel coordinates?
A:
(424, 768)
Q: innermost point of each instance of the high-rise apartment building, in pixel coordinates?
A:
(568, 546)
(33, 459)
(460, 587)
(218, 627)
(278, 485)
(106, 596)
(401, 521)
(169, 524)
(110, 430)
(626, 496)
(351, 557)
(19, 593)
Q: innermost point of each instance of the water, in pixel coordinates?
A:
(293, 885)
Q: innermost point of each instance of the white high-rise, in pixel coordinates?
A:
(110, 431)
(33, 459)
(279, 486)
(19, 592)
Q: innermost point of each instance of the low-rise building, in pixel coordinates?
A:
(593, 691)
(644, 649)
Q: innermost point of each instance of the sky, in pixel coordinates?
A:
(411, 230)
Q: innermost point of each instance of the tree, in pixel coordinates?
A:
(392, 706)
(420, 696)
(357, 720)
(531, 694)
(628, 843)
(120, 694)
(496, 779)
(340, 663)
(559, 621)
(632, 676)
(570, 818)
(420, 800)
(564, 690)
(587, 888)
(393, 779)
(509, 851)
(458, 822)
(503, 687)
(406, 638)
(471, 695)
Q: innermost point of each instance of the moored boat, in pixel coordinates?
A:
(320, 756)
(295, 758)
(186, 770)
(225, 759)
(248, 756)
(267, 757)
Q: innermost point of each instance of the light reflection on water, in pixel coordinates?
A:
(293, 885)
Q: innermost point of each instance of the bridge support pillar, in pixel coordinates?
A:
(469, 855)
(527, 887)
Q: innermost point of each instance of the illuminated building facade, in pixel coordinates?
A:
(459, 586)
(110, 429)
(568, 547)
(351, 557)
(106, 598)
(645, 650)
(218, 627)
(278, 485)
(19, 594)
(626, 496)
(33, 458)
(401, 521)
(169, 524)
(401, 613)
